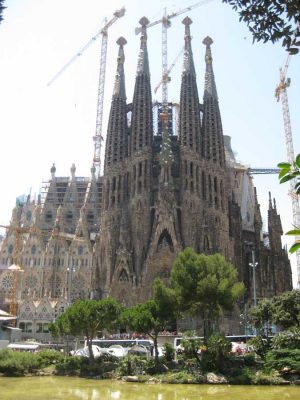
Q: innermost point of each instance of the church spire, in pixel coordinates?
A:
(119, 86)
(274, 226)
(190, 124)
(210, 84)
(143, 62)
(188, 61)
(212, 133)
(270, 201)
(116, 143)
(141, 121)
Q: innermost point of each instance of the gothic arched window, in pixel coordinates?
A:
(123, 277)
(165, 239)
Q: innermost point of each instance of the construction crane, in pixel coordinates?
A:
(281, 94)
(169, 71)
(263, 171)
(165, 21)
(97, 138)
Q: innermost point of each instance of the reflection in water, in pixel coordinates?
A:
(62, 388)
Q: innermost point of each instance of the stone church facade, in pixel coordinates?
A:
(159, 193)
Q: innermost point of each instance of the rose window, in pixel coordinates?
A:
(7, 282)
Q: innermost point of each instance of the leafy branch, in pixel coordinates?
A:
(288, 172)
(271, 20)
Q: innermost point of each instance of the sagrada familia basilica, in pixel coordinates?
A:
(161, 191)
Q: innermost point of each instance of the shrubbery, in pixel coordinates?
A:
(18, 363)
(261, 346)
(70, 365)
(132, 365)
(280, 359)
(287, 339)
(49, 357)
(218, 352)
(168, 352)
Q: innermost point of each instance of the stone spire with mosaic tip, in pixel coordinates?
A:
(189, 117)
(141, 121)
(212, 133)
(116, 143)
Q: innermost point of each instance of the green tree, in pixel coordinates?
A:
(261, 316)
(154, 315)
(287, 309)
(87, 317)
(191, 346)
(288, 172)
(271, 20)
(205, 285)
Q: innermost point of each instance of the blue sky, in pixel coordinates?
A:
(42, 125)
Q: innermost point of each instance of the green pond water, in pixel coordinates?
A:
(52, 388)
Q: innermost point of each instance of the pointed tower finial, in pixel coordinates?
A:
(270, 201)
(53, 170)
(187, 22)
(117, 141)
(119, 86)
(188, 62)
(144, 21)
(143, 63)
(207, 41)
(189, 115)
(210, 85)
(73, 170)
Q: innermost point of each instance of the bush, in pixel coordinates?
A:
(241, 376)
(249, 359)
(49, 357)
(287, 339)
(169, 352)
(178, 377)
(18, 363)
(260, 345)
(217, 353)
(191, 347)
(264, 378)
(279, 359)
(70, 365)
(132, 365)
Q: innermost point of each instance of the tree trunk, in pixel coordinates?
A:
(155, 351)
(89, 343)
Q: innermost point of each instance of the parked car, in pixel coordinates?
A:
(84, 352)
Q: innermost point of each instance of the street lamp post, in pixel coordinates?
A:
(254, 265)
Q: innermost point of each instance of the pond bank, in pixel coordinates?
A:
(233, 370)
(74, 388)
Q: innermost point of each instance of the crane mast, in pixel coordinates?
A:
(165, 21)
(98, 138)
(281, 94)
(165, 75)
